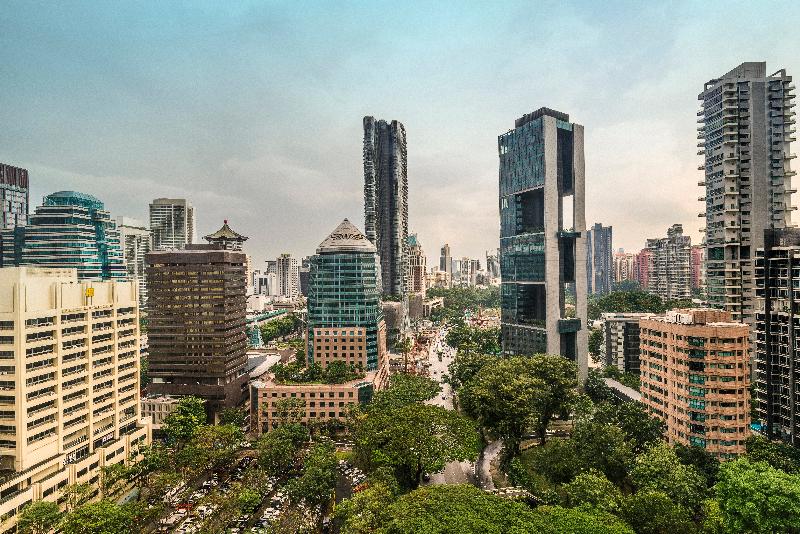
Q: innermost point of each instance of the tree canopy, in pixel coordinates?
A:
(188, 416)
(38, 517)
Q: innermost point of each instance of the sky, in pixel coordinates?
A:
(253, 110)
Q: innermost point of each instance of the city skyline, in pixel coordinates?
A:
(176, 110)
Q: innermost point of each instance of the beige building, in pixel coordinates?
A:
(69, 395)
(695, 377)
(156, 408)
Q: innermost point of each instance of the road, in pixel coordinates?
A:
(454, 472)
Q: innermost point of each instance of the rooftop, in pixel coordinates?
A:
(346, 238)
(541, 112)
(225, 233)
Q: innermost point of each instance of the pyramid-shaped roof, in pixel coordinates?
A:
(346, 238)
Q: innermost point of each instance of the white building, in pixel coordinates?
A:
(288, 276)
(172, 223)
(136, 241)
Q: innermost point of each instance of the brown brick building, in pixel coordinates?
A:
(695, 377)
(196, 324)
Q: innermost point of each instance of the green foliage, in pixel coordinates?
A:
(75, 495)
(631, 302)
(652, 512)
(144, 377)
(457, 300)
(248, 499)
(280, 327)
(756, 497)
(658, 469)
(232, 416)
(101, 517)
(595, 341)
(278, 450)
(315, 486)
(38, 517)
(640, 428)
(465, 366)
(366, 511)
(299, 373)
(467, 338)
(778, 455)
(593, 490)
(181, 424)
(597, 389)
(603, 447)
(218, 443)
(628, 379)
(706, 463)
(404, 390)
(112, 477)
(414, 439)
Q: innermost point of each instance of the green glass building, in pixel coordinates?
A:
(344, 291)
(69, 230)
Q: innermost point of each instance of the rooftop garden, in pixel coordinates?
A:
(298, 373)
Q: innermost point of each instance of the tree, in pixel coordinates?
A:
(559, 377)
(469, 339)
(101, 517)
(659, 469)
(595, 341)
(778, 455)
(465, 366)
(706, 463)
(232, 416)
(290, 411)
(756, 497)
(404, 390)
(76, 495)
(217, 443)
(111, 476)
(593, 490)
(248, 499)
(314, 488)
(653, 512)
(640, 428)
(278, 450)
(597, 390)
(181, 423)
(413, 440)
(38, 517)
(366, 511)
(603, 447)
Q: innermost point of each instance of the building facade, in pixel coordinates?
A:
(599, 262)
(746, 128)
(69, 230)
(625, 267)
(643, 266)
(695, 377)
(670, 275)
(543, 237)
(136, 241)
(69, 351)
(776, 331)
(446, 260)
(386, 200)
(698, 262)
(172, 222)
(344, 301)
(287, 276)
(417, 265)
(14, 196)
(197, 306)
(620, 345)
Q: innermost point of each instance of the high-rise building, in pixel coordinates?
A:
(776, 331)
(698, 267)
(445, 260)
(386, 200)
(493, 264)
(227, 239)
(344, 301)
(14, 196)
(136, 242)
(624, 267)
(172, 222)
(643, 266)
(417, 265)
(620, 345)
(70, 365)
(670, 274)
(287, 273)
(197, 307)
(599, 263)
(697, 378)
(746, 127)
(69, 230)
(542, 237)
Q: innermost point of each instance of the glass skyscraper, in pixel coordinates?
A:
(542, 237)
(344, 299)
(69, 230)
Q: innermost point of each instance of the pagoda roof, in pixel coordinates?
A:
(225, 233)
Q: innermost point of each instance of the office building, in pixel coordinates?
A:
(493, 264)
(136, 242)
(669, 274)
(70, 392)
(695, 377)
(304, 275)
(624, 267)
(69, 230)
(446, 260)
(746, 127)
(417, 265)
(172, 222)
(287, 274)
(14, 196)
(386, 200)
(196, 326)
(599, 262)
(698, 260)
(543, 237)
(620, 345)
(776, 333)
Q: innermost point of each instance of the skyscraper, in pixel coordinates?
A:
(136, 242)
(196, 324)
(172, 222)
(670, 275)
(698, 267)
(599, 263)
(624, 267)
(344, 301)
(69, 230)
(542, 237)
(746, 126)
(417, 265)
(445, 260)
(386, 200)
(287, 273)
(14, 196)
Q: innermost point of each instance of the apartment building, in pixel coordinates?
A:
(172, 222)
(695, 376)
(670, 273)
(69, 382)
(620, 345)
(136, 242)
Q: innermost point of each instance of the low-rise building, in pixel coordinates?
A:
(156, 408)
(695, 376)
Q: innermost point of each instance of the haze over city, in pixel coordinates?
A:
(253, 111)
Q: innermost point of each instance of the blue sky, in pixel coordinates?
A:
(253, 110)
